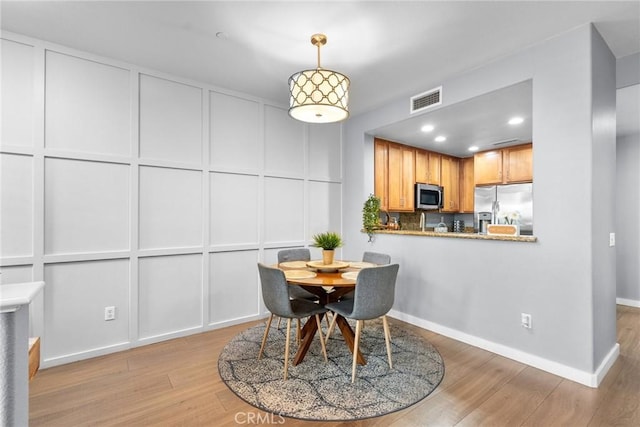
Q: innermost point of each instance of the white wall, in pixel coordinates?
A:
(476, 290)
(628, 189)
(129, 188)
(603, 198)
(627, 220)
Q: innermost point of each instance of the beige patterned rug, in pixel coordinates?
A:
(317, 390)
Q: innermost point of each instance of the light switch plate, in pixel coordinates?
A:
(612, 239)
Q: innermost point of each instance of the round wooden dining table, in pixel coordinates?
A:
(329, 284)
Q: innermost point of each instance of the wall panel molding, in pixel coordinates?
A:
(161, 194)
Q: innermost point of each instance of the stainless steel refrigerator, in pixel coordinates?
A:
(506, 199)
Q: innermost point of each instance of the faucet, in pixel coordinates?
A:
(422, 221)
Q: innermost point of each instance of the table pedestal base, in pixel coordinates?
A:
(309, 332)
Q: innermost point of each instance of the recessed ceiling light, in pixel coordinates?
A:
(222, 35)
(427, 128)
(516, 120)
(473, 148)
(440, 138)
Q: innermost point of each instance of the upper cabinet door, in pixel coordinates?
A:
(487, 167)
(505, 166)
(427, 168)
(450, 177)
(381, 172)
(422, 166)
(466, 185)
(395, 177)
(401, 177)
(434, 169)
(408, 178)
(518, 163)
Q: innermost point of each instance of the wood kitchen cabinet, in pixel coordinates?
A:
(467, 186)
(399, 167)
(422, 165)
(504, 166)
(401, 178)
(518, 163)
(394, 175)
(435, 171)
(450, 181)
(487, 167)
(427, 168)
(381, 172)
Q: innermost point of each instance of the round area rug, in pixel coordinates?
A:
(316, 390)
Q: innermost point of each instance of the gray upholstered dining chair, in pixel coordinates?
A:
(373, 298)
(376, 258)
(296, 292)
(373, 258)
(297, 254)
(275, 294)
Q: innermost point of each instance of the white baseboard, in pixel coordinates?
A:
(586, 378)
(629, 302)
(74, 357)
(606, 364)
(101, 351)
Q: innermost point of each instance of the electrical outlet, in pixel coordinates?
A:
(109, 313)
(612, 239)
(525, 320)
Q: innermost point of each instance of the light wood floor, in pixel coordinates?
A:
(176, 383)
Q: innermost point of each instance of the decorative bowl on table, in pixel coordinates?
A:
(319, 265)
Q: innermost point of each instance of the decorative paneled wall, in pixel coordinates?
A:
(153, 194)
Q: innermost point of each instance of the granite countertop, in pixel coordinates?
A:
(467, 235)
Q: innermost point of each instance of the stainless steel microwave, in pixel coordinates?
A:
(429, 197)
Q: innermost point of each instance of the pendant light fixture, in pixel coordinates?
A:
(319, 95)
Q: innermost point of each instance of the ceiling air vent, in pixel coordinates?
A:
(506, 141)
(425, 100)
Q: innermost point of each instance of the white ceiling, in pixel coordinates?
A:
(389, 49)
(481, 122)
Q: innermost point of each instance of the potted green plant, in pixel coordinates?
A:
(371, 215)
(328, 241)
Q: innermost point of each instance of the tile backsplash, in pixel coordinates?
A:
(411, 220)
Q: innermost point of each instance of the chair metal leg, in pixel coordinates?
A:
(286, 349)
(324, 348)
(264, 337)
(355, 349)
(387, 339)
